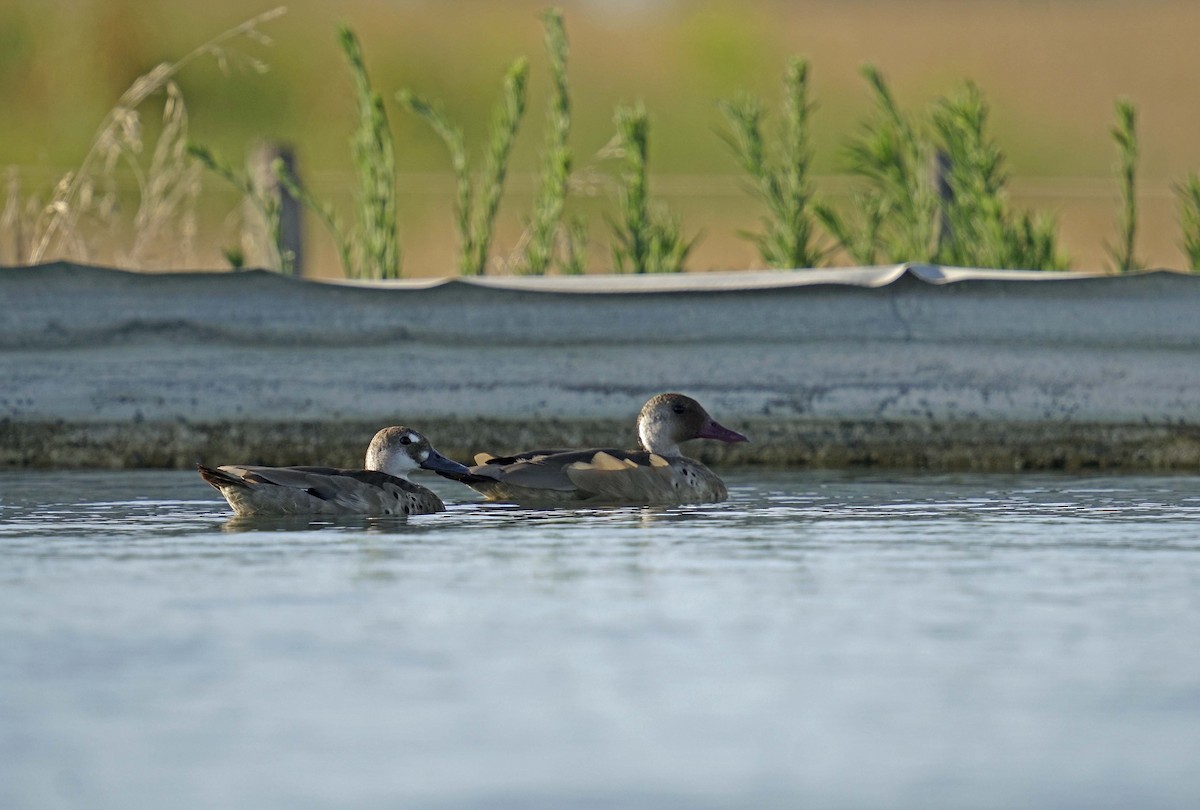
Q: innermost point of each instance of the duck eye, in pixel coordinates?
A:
(678, 408)
(405, 440)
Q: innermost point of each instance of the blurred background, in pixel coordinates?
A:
(1051, 71)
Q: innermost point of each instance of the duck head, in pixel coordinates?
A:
(668, 419)
(399, 451)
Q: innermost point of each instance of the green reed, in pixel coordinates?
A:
(371, 249)
(546, 230)
(1124, 134)
(267, 204)
(898, 210)
(647, 235)
(780, 173)
(478, 198)
(933, 189)
(377, 252)
(1187, 194)
(978, 227)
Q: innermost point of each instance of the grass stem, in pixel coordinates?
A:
(476, 206)
(1188, 196)
(545, 228)
(1124, 134)
(119, 133)
(779, 177)
(648, 238)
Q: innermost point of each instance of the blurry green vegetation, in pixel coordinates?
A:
(896, 205)
(978, 227)
(1124, 134)
(267, 205)
(478, 198)
(63, 62)
(933, 189)
(1188, 195)
(87, 197)
(371, 250)
(648, 238)
(545, 231)
(779, 176)
(375, 253)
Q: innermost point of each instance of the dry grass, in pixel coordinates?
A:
(88, 199)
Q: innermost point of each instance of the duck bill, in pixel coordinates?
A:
(436, 462)
(714, 430)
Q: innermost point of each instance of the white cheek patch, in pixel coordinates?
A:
(424, 455)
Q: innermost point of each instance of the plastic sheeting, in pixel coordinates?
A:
(904, 365)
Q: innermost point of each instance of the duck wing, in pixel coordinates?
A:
(482, 459)
(319, 490)
(606, 475)
(533, 469)
(627, 477)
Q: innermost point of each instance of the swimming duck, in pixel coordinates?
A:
(658, 473)
(382, 488)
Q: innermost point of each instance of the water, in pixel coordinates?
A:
(821, 640)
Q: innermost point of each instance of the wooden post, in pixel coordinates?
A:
(940, 170)
(11, 219)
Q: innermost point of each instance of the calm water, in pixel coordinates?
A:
(823, 640)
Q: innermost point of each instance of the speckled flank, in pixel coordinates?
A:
(386, 500)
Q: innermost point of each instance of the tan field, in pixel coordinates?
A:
(1051, 71)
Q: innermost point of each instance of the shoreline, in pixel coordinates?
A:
(906, 366)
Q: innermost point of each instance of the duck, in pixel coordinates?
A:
(381, 488)
(656, 474)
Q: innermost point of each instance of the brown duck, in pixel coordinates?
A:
(382, 488)
(657, 474)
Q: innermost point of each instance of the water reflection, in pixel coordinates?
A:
(386, 524)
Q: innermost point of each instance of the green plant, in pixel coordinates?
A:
(779, 177)
(371, 249)
(165, 185)
(545, 229)
(574, 257)
(1124, 134)
(977, 227)
(376, 251)
(267, 205)
(934, 190)
(898, 205)
(648, 237)
(475, 215)
(1188, 196)
(235, 256)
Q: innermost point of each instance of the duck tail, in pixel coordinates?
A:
(220, 478)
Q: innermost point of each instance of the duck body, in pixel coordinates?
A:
(382, 488)
(656, 474)
(319, 491)
(599, 476)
